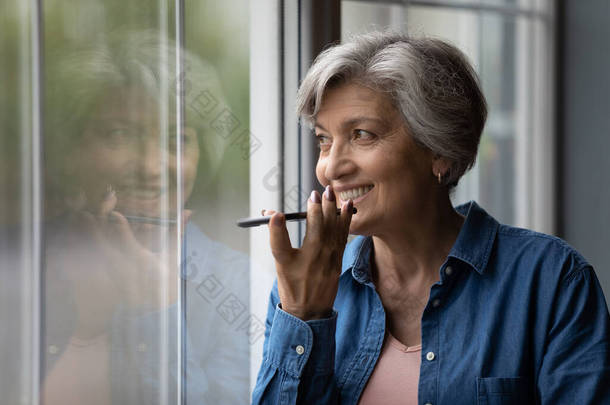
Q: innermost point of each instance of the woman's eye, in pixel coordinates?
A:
(119, 135)
(361, 134)
(116, 132)
(323, 141)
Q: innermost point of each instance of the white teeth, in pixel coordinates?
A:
(354, 193)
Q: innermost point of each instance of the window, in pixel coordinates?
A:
(125, 150)
(510, 44)
(134, 134)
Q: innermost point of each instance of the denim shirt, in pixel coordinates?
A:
(517, 317)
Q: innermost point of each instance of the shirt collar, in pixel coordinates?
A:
(472, 246)
(476, 238)
(356, 257)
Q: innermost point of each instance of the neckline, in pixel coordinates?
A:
(397, 344)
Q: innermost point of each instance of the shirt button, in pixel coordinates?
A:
(300, 350)
(430, 356)
(436, 303)
(448, 270)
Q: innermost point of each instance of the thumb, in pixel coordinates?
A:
(278, 236)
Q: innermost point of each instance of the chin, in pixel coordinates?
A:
(357, 228)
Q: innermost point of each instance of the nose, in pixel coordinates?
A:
(338, 163)
(151, 157)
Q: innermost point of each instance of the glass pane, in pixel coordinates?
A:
(360, 16)
(111, 324)
(218, 305)
(19, 272)
(121, 324)
(497, 157)
(499, 179)
(488, 39)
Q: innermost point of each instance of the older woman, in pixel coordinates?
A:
(431, 304)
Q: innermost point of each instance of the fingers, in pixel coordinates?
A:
(281, 247)
(280, 241)
(329, 209)
(314, 223)
(103, 212)
(108, 202)
(123, 233)
(347, 210)
(88, 231)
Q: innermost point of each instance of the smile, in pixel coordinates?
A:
(145, 194)
(354, 193)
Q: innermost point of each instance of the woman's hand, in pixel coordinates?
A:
(308, 278)
(147, 279)
(99, 254)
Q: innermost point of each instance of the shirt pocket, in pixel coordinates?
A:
(503, 391)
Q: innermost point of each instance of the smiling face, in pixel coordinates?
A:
(366, 154)
(123, 147)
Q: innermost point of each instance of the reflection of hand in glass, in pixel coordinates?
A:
(137, 277)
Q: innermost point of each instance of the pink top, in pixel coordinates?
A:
(396, 375)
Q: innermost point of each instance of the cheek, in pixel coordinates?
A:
(189, 172)
(320, 169)
(105, 162)
(189, 167)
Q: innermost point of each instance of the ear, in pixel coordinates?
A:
(440, 164)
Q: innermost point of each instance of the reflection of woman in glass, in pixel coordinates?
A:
(112, 243)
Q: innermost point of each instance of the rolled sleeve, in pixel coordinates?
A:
(298, 359)
(298, 347)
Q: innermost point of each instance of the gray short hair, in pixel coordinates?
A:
(78, 78)
(428, 80)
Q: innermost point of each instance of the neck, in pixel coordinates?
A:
(412, 252)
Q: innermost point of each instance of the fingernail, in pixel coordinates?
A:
(328, 193)
(315, 197)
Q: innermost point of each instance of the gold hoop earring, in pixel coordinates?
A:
(439, 178)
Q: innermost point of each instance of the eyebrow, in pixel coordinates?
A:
(354, 121)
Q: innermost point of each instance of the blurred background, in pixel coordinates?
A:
(179, 115)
